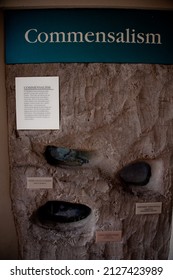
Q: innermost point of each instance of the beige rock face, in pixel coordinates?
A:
(121, 113)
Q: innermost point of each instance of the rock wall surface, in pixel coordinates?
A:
(121, 114)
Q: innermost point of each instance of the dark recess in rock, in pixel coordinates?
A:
(137, 173)
(60, 156)
(61, 212)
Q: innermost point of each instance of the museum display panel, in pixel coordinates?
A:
(107, 164)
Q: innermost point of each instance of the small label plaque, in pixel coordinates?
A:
(39, 183)
(108, 236)
(148, 208)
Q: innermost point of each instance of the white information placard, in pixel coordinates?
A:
(37, 103)
(39, 182)
(148, 208)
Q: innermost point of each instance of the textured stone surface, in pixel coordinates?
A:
(122, 113)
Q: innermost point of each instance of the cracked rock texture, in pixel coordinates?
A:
(121, 113)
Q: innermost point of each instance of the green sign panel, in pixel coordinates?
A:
(89, 35)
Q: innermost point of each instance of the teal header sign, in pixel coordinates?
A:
(89, 35)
